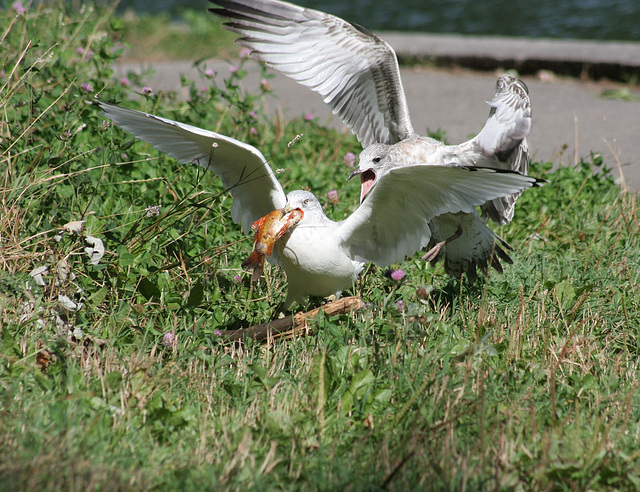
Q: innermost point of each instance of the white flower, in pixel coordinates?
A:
(69, 304)
(63, 271)
(37, 275)
(95, 249)
(74, 227)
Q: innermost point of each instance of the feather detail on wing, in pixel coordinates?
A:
(241, 167)
(504, 137)
(417, 194)
(355, 71)
(476, 247)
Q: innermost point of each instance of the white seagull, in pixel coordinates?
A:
(357, 74)
(319, 256)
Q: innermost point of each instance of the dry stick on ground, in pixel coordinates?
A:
(294, 324)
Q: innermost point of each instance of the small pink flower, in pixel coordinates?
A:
(210, 73)
(18, 7)
(400, 305)
(147, 91)
(397, 275)
(237, 279)
(253, 115)
(86, 87)
(309, 116)
(253, 131)
(217, 333)
(245, 52)
(233, 69)
(168, 339)
(333, 197)
(265, 85)
(349, 159)
(86, 55)
(124, 82)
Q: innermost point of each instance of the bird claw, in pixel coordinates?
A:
(433, 253)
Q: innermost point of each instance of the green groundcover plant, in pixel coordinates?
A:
(120, 272)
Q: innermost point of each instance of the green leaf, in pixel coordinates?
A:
(148, 289)
(196, 294)
(124, 257)
(260, 373)
(565, 293)
(98, 296)
(113, 380)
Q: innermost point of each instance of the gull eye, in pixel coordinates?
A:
(377, 159)
(306, 202)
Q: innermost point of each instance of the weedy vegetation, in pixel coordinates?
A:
(120, 272)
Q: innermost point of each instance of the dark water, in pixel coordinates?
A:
(580, 19)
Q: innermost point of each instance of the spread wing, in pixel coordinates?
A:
(241, 167)
(418, 193)
(354, 70)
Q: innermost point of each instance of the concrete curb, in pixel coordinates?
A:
(585, 59)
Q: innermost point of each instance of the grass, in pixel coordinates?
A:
(527, 380)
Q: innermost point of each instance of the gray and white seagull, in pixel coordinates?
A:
(319, 256)
(357, 74)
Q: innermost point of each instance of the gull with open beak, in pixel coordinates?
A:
(357, 74)
(322, 257)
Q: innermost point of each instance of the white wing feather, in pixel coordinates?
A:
(241, 167)
(355, 71)
(374, 233)
(504, 137)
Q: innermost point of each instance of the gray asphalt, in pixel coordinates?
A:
(571, 119)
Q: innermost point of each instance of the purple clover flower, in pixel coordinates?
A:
(349, 159)
(18, 7)
(168, 339)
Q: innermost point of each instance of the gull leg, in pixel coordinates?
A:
(435, 251)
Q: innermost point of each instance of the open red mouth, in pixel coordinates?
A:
(367, 180)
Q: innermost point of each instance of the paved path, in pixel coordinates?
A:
(570, 118)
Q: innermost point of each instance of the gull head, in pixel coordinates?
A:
(306, 202)
(372, 162)
(508, 83)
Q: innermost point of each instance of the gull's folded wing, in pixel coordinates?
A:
(505, 136)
